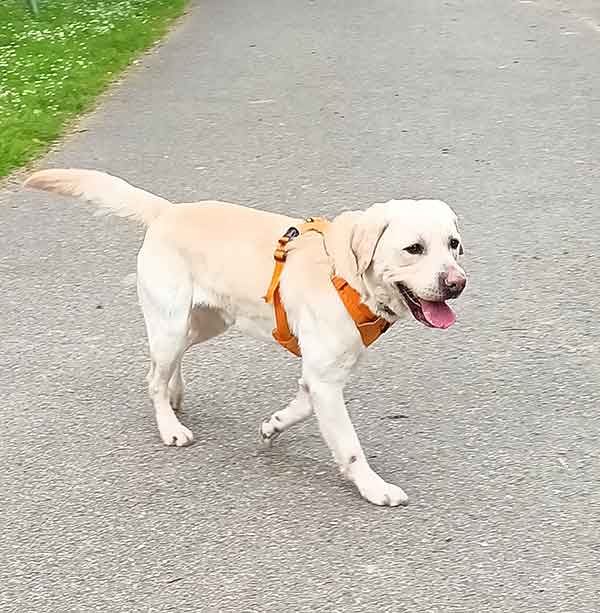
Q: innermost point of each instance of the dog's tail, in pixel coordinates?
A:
(110, 194)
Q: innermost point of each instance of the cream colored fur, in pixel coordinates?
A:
(191, 288)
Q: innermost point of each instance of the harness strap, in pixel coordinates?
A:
(369, 325)
(282, 333)
(314, 224)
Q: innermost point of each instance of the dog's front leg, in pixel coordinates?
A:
(298, 410)
(340, 436)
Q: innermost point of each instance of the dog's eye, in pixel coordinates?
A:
(454, 243)
(415, 249)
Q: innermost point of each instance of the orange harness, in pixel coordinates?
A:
(369, 325)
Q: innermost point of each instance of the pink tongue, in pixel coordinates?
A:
(438, 314)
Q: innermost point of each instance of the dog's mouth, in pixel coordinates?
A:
(432, 314)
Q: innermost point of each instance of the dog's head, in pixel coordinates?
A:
(407, 255)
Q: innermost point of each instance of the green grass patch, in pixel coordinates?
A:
(53, 66)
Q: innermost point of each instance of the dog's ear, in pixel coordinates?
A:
(366, 234)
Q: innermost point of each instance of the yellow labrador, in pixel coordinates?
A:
(205, 266)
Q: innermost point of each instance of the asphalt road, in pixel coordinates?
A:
(492, 427)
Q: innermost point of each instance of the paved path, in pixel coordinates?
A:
(492, 427)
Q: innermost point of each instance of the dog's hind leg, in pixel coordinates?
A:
(172, 329)
(166, 351)
(165, 291)
(167, 335)
(205, 323)
(298, 410)
(177, 387)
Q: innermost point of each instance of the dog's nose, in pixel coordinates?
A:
(453, 283)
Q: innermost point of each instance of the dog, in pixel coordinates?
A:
(204, 267)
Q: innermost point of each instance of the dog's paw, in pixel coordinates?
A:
(268, 433)
(379, 492)
(174, 433)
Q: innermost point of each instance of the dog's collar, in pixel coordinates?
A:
(369, 325)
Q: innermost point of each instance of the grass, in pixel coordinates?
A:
(53, 66)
